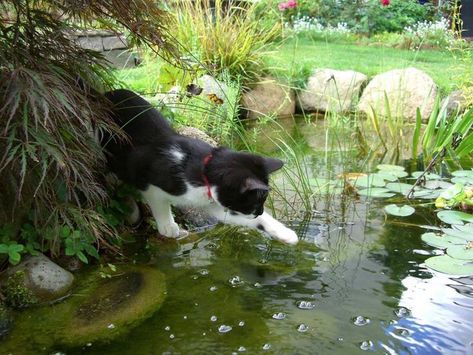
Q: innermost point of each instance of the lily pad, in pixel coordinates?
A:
(441, 241)
(426, 194)
(399, 187)
(437, 184)
(376, 192)
(452, 191)
(463, 173)
(465, 180)
(372, 180)
(389, 167)
(449, 265)
(462, 252)
(402, 211)
(466, 234)
(428, 176)
(388, 175)
(454, 217)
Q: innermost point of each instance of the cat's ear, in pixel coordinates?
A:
(251, 184)
(272, 164)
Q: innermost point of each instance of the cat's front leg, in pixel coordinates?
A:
(161, 210)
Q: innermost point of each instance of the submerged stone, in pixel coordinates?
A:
(100, 309)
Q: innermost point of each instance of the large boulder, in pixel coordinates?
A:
(455, 102)
(398, 93)
(332, 90)
(35, 280)
(268, 97)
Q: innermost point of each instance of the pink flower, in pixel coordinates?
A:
(291, 4)
(282, 6)
(385, 2)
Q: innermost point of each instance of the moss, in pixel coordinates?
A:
(17, 295)
(98, 311)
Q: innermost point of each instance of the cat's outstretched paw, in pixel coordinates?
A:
(170, 230)
(286, 235)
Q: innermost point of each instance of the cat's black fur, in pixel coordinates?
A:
(241, 178)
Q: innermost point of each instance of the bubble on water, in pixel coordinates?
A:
(266, 346)
(204, 272)
(402, 312)
(235, 281)
(171, 336)
(402, 332)
(204, 333)
(241, 324)
(305, 305)
(224, 328)
(213, 318)
(258, 285)
(360, 321)
(195, 277)
(167, 328)
(366, 345)
(241, 349)
(213, 288)
(279, 316)
(185, 317)
(340, 339)
(302, 328)
(111, 326)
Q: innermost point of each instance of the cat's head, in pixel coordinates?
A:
(242, 180)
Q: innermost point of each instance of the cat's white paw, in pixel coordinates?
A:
(169, 229)
(285, 235)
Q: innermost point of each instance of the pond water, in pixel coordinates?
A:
(356, 282)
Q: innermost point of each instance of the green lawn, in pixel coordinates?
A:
(296, 58)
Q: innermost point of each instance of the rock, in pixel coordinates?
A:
(196, 133)
(268, 98)
(455, 101)
(405, 89)
(103, 307)
(332, 90)
(37, 279)
(114, 42)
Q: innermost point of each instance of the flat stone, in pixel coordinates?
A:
(114, 42)
(93, 43)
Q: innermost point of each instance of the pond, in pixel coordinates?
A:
(356, 281)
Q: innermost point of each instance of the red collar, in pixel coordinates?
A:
(206, 160)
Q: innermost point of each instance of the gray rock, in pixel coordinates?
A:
(121, 58)
(405, 89)
(332, 90)
(93, 43)
(114, 42)
(46, 280)
(269, 97)
(197, 134)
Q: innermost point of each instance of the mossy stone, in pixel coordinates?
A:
(99, 310)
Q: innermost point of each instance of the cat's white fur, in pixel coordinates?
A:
(160, 203)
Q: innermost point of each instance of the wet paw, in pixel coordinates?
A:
(170, 229)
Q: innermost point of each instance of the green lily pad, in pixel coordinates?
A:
(372, 180)
(437, 184)
(462, 252)
(390, 168)
(465, 234)
(463, 173)
(454, 217)
(388, 175)
(402, 211)
(441, 241)
(449, 265)
(428, 176)
(452, 191)
(426, 194)
(465, 180)
(376, 192)
(399, 187)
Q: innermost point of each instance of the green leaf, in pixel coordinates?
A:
(376, 192)
(428, 176)
(15, 248)
(14, 257)
(465, 234)
(465, 180)
(82, 257)
(3, 249)
(402, 211)
(399, 187)
(454, 217)
(449, 265)
(463, 173)
(452, 191)
(441, 241)
(462, 252)
(372, 180)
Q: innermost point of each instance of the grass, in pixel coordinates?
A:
(297, 57)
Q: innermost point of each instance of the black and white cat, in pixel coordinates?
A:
(171, 169)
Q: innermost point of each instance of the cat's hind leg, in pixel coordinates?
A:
(161, 210)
